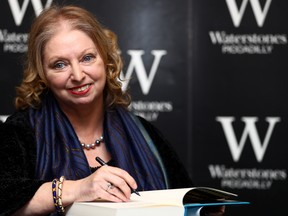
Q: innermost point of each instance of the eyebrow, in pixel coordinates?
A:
(53, 58)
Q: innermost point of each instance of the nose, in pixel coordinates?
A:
(77, 72)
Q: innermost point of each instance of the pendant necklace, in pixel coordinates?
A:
(92, 145)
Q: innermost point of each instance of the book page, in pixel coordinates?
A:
(171, 197)
(161, 197)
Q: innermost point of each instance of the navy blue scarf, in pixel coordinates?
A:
(59, 151)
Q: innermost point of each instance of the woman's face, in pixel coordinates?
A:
(74, 69)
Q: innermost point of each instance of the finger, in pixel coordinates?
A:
(119, 178)
(115, 191)
(114, 194)
(121, 174)
(121, 184)
(109, 186)
(126, 176)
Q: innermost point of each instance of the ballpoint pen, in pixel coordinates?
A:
(102, 163)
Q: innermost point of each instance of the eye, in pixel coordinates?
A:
(88, 58)
(59, 65)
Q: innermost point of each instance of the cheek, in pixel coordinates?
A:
(97, 74)
(56, 80)
(103, 78)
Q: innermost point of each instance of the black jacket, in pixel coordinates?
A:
(18, 159)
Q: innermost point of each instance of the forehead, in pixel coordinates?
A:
(62, 28)
(67, 40)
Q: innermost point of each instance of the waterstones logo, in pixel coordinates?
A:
(150, 109)
(248, 43)
(250, 131)
(147, 109)
(246, 178)
(237, 13)
(13, 42)
(137, 64)
(18, 11)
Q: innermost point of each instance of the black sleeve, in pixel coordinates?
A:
(18, 159)
(178, 177)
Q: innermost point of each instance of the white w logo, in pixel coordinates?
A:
(19, 12)
(249, 130)
(136, 63)
(237, 14)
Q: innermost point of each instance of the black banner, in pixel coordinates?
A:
(239, 115)
(211, 75)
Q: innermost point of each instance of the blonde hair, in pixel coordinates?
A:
(34, 83)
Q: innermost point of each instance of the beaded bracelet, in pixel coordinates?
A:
(54, 183)
(59, 197)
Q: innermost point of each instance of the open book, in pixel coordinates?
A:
(171, 202)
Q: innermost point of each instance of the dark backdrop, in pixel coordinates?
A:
(211, 75)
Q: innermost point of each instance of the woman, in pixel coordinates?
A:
(71, 109)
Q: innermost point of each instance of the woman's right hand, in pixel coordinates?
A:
(108, 183)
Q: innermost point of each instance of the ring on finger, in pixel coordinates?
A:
(109, 186)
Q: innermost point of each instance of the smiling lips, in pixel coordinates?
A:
(80, 90)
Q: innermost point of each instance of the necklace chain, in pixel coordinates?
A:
(92, 145)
